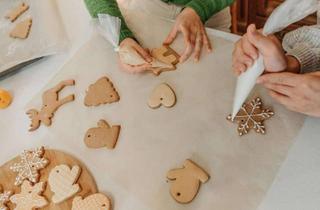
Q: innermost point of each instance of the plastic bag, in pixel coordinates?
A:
(287, 13)
(47, 35)
(109, 27)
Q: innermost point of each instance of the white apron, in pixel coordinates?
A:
(220, 21)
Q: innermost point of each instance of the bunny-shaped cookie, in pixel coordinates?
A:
(62, 181)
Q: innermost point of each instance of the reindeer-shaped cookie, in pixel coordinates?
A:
(102, 136)
(186, 181)
(50, 104)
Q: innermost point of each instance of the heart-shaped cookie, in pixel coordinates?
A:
(162, 95)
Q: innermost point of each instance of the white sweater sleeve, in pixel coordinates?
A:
(304, 45)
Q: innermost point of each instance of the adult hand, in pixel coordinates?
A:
(247, 50)
(131, 43)
(297, 92)
(195, 36)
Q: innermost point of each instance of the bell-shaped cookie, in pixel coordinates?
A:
(101, 92)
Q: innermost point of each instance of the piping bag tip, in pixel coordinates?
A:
(245, 83)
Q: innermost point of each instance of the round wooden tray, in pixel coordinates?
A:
(86, 181)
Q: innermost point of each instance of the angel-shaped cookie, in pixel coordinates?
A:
(102, 136)
(30, 196)
(50, 104)
(62, 181)
(186, 181)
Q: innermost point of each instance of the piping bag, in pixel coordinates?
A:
(109, 27)
(287, 13)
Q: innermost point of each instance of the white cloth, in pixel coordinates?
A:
(220, 21)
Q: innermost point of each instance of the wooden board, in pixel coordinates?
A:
(86, 181)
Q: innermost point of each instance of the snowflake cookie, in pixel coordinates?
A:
(252, 116)
(4, 199)
(31, 162)
(30, 196)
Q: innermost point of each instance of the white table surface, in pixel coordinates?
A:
(296, 187)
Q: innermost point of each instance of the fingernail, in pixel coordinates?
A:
(259, 81)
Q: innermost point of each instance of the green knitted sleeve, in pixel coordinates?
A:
(206, 8)
(110, 7)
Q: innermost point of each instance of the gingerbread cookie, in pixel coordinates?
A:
(166, 55)
(62, 181)
(5, 99)
(30, 196)
(102, 136)
(96, 201)
(162, 95)
(4, 199)
(30, 164)
(101, 92)
(50, 104)
(186, 181)
(252, 116)
(22, 29)
(15, 13)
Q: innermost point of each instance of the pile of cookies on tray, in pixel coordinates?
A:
(48, 179)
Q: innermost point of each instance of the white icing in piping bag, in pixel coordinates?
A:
(287, 13)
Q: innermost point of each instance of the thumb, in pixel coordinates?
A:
(171, 37)
(257, 38)
(144, 53)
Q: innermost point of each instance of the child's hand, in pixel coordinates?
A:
(131, 43)
(195, 36)
(247, 51)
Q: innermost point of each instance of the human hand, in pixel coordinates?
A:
(144, 53)
(297, 92)
(247, 50)
(195, 36)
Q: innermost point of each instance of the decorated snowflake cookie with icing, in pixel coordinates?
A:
(30, 164)
(252, 116)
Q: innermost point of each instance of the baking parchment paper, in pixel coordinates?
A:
(47, 35)
(152, 141)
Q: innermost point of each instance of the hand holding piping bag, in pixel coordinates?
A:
(289, 12)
